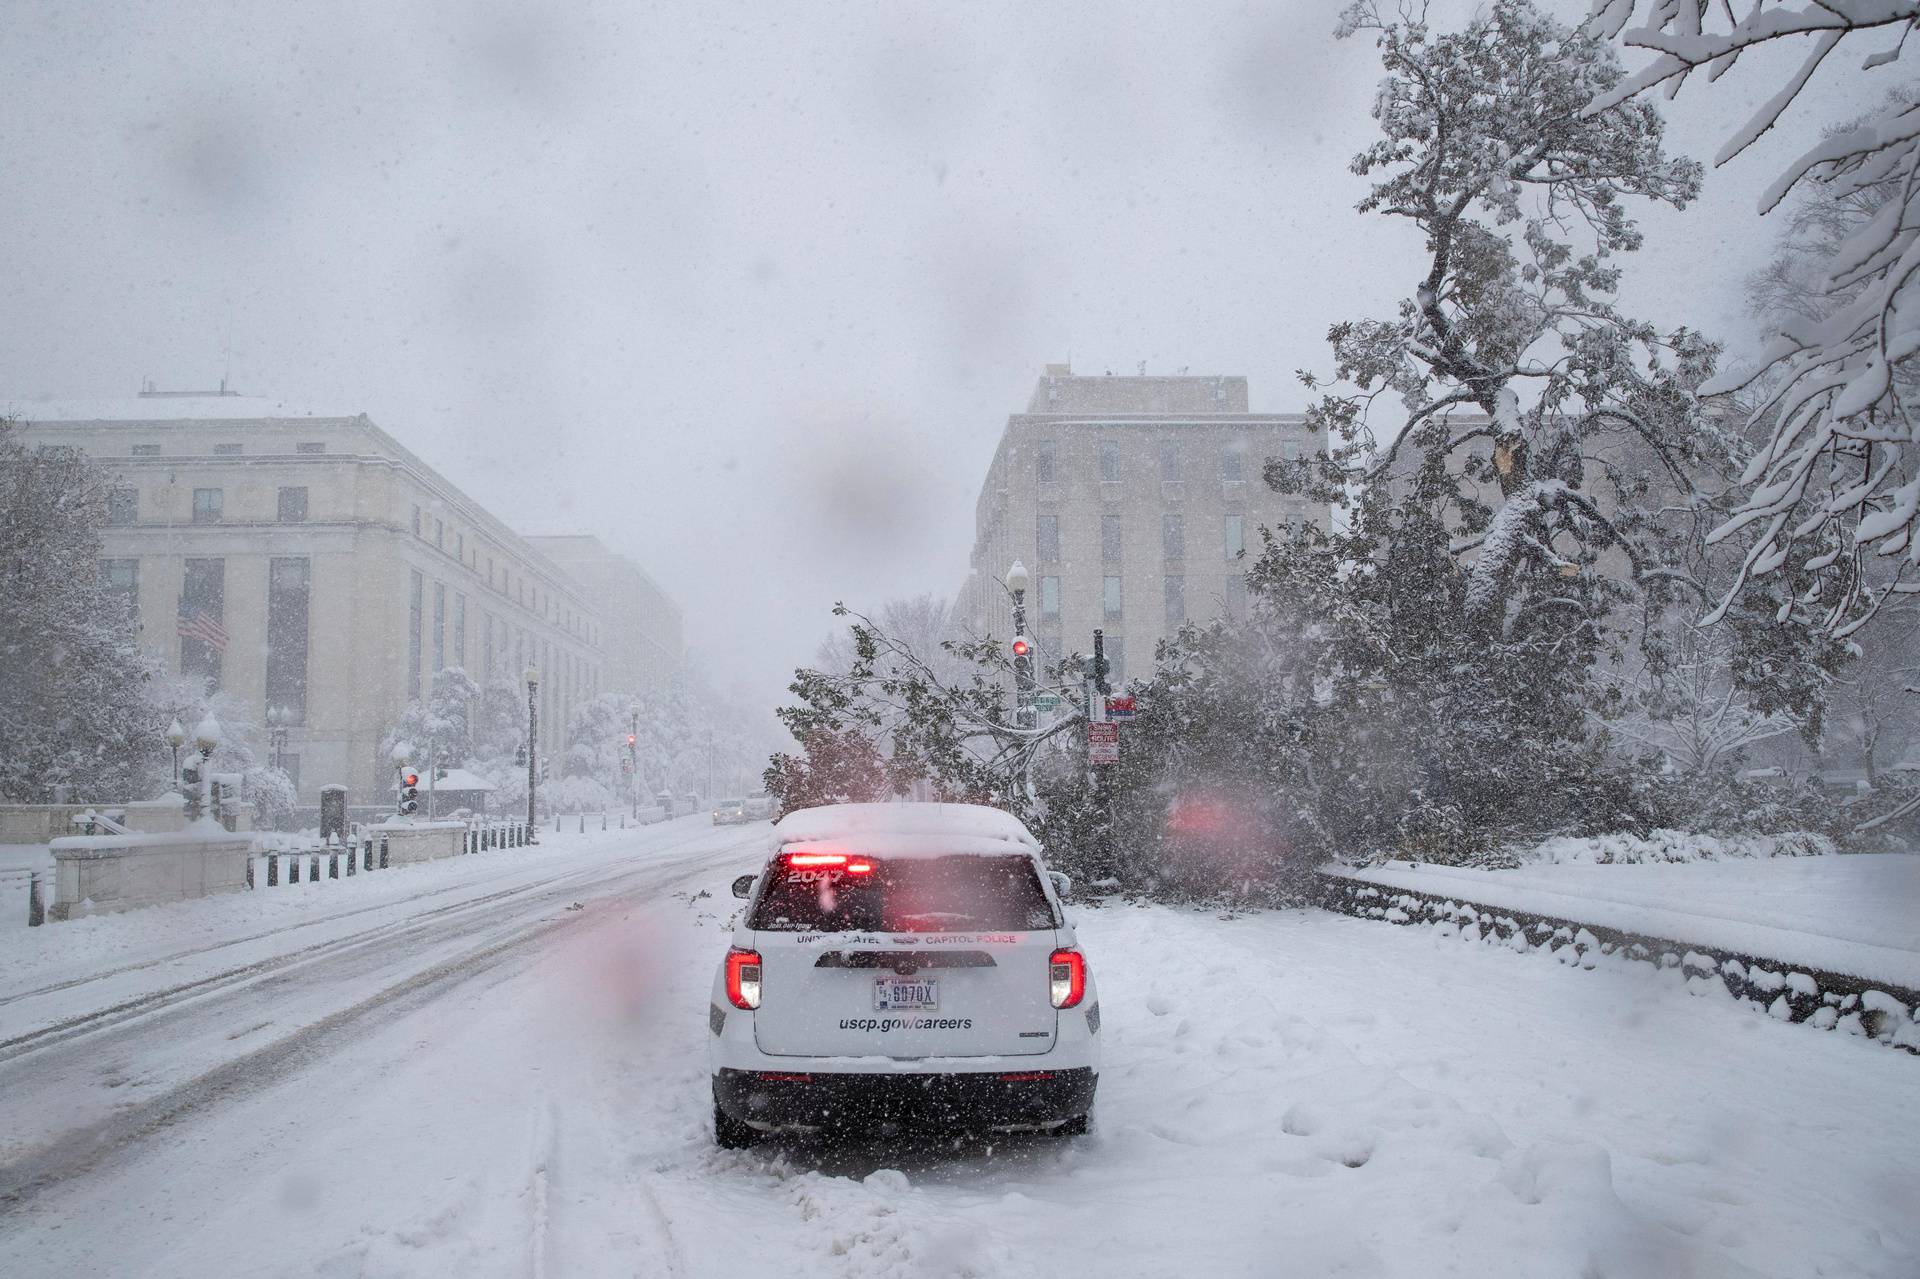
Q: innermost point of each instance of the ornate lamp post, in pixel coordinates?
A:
(279, 718)
(1017, 583)
(176, 738)
(203, 798)
(533, 747)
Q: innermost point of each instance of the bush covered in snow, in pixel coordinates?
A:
(1672, 846)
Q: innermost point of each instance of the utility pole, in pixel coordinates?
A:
(633, 760)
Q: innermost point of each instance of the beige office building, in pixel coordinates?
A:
(644, 638)
(311, 564)
(1135, 504)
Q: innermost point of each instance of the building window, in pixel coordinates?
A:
(1116, 653)
(1049, 599)
(123, 506)
(1110, 599)
(1173, 537)
(227, 450)
(440, 534)
(1043, 462)
(206, 506)
(460, 547)
(1233, 465)
(1236, 537)
(290, 765)
(203, 610)
(1176, 601)
(145, 450)
(1237, 596)
(293, 505)
(416, 590)
(460, 631)
(490, 585)
(1169, 463)
(1049, 538)
(289, 583)
(1110, 461)
(486, 643)
(310, 446)
(416, 521)
(1110, 539)
(122, 578)
(439, 626)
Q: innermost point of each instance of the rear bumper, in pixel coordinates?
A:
(771, 1100)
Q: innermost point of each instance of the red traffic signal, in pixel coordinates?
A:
(631, 739)
(410, 779)
(1022, 646)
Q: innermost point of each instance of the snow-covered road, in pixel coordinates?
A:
(479, 1080)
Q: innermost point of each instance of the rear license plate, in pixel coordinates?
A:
(904, 992)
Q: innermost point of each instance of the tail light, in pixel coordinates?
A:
(1067, 973)
(743, 978)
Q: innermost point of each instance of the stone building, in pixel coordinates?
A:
(1136, 505)
(644, 628)
(310, 564)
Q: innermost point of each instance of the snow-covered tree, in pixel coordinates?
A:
(437, 729)
(1520, 193)
(75, 705)
(1836, 490)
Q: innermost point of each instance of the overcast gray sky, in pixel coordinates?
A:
(747, 289)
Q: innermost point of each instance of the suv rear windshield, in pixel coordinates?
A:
(906, 895)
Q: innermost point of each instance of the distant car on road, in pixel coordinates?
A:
(902, 965)
(731, 812)
(760, 807)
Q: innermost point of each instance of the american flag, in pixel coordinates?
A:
(206, 628)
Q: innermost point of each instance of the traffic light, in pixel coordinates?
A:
(409, 793)
(631, 741)
(1022, 646)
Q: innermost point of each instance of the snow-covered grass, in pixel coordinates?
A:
(1622, 848)
(1292, 1093)
(1856, 914)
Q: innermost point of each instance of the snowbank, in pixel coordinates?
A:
(1670, 846)
(1857, 914)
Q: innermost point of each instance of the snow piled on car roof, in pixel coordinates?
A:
(917, 828)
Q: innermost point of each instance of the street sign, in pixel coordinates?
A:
(1119, 708)
(1103, 743)
(1046, 701)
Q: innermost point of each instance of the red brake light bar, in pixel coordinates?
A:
(852, 865)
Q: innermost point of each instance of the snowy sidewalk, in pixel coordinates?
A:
(1855, 914)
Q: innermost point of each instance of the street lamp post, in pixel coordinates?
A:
(203, 799)
(1017, 583)
(176, 737)
(533, 748)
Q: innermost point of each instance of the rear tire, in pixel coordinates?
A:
(729, 1133)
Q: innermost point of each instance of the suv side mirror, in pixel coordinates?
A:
(743, 886)
(1062, 884)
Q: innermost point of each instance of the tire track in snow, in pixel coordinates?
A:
(153, 1002)
(80, 1150)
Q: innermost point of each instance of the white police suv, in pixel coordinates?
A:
(902, 966)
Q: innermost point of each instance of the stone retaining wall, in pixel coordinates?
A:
(120, 872)
(1826, 1000)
